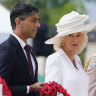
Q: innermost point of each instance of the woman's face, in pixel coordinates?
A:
(72, 42)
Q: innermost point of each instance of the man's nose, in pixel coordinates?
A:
(38, 24)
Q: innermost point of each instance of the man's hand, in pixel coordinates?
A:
(36, 87)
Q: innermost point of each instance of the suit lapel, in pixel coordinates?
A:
(23, 57)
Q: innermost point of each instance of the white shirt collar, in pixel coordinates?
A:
(22, 43)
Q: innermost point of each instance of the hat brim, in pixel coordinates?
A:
(86, 28)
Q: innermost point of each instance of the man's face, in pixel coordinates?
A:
(29, 26)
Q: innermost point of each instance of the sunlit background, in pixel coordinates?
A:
(50, 11)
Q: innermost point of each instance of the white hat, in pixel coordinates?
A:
(71, 23)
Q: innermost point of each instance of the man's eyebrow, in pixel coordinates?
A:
(35, 18)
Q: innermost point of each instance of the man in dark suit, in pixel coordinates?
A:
(17, 67)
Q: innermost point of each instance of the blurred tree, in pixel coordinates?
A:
(50, 10)
(57, 11)
(10, 3)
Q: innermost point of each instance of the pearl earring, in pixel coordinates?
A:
(63, 44)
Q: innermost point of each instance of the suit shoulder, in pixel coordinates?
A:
(55, 55)
(52, 58)
(6, 45)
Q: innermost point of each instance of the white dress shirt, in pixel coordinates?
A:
(59, 68)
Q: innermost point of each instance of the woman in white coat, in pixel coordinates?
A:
(64, 66)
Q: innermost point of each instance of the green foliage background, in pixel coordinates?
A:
(50, 10)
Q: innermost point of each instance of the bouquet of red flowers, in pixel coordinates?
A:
(5, 89)
(52, 88)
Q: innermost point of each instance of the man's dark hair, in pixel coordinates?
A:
(21, 11)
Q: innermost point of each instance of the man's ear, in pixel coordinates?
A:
(18, 22)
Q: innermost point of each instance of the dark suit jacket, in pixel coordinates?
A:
(14, 67)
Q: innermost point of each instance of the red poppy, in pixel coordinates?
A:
(5, 88)
(51, 89)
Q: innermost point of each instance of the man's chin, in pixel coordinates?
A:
(33, 36)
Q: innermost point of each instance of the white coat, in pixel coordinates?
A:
(59, 68)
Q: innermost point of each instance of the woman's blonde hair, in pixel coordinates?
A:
(59, 40)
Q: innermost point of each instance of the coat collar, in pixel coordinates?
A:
(66, 59)
(22, 43)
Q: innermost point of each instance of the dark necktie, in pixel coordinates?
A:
(27, 49)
